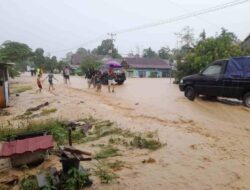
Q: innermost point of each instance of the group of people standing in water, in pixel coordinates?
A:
(94, 78)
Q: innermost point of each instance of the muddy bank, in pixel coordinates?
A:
(207, 142)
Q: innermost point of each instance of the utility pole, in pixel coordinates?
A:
(178, 36)
(112, 35)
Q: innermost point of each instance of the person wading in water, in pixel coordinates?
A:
(111, 80)
(50, 76)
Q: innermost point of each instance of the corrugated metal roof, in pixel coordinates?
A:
(26, 145)
(147, 63)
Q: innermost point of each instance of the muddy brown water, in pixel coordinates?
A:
(207, 142)
(160, 98)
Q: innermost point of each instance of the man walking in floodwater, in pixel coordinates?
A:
(66, 75)
(88, 76)
(111, 80)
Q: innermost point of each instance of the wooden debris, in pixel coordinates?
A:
(37, 107)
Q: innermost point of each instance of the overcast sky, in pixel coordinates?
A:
(56, 25)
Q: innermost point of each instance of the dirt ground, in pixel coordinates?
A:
(207, 142)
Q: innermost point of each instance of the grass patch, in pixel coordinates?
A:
(53, 127)
(107, 152)
(78, 136)
(116, 165)
(140, 142)
(118, 140)
(104, 173)
(20, 89)
(101, 129)
(48, 111)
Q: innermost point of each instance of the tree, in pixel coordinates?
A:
(38, 58)
(187, 37)
(89, 63)
(82, 51)
(149, 53)
(164, 53)
(68, 57)
(15, 52)
(203, 35)
(208, 50)
(60, 65)
(107, 48)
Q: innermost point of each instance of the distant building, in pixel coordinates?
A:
(246, 42)
(4, 85)
(76, 59)
(146, 67)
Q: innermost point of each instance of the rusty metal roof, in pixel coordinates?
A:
(147, 63)
(26, 145)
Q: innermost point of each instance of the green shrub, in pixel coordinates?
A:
(77, 179)
(29, 183)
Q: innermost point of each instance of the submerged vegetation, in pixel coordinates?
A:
(19, 89)
(104, 173)
(48, 111)
(107, 151)
(113, 140)
(100, 130)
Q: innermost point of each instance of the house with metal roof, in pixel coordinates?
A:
(246, 43)
(146, 67)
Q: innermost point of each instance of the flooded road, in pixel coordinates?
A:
(206, 143)
(163, 99)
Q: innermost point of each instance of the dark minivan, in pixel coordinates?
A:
(225, 78)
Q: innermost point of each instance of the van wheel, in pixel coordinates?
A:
(246, 100)
(190, 93)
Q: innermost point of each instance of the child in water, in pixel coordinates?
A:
(50, 76)
(39, 83)
(98, 81)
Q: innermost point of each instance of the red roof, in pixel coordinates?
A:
(26, 145)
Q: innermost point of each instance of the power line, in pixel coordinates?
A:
(187, 11)
(184, 16)
(170, 20)
(84, 44)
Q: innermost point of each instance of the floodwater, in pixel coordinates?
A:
(206, 142)
(162, 98)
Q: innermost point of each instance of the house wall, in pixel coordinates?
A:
(246, 44)
(147, 73)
